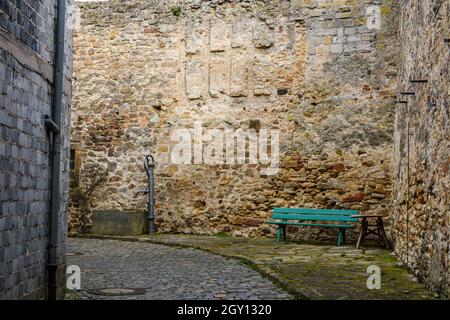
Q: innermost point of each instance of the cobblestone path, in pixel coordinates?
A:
(164, 272)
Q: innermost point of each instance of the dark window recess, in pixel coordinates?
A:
(282, 92)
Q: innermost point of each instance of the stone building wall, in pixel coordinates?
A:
(319, 72)
(26, 77)
(421, 177)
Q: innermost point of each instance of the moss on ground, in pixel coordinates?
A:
(307, 270)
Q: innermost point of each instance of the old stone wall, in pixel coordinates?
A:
(422, 184)
(320, 73)
(26, 77)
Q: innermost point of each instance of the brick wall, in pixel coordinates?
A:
(26, 79)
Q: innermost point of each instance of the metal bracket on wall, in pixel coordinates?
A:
(51, 125)
(418, 81)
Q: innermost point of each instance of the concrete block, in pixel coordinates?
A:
(120, 223)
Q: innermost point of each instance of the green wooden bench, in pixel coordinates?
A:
(326, 218)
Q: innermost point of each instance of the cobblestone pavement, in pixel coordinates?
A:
(310, 270)
(316, 270)
(164, 272)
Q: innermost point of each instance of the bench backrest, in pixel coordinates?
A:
(315, 214)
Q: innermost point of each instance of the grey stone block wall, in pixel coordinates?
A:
(26, 55)
(28, 21)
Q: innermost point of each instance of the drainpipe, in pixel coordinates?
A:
(55, 123)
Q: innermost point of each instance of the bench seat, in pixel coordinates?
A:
(310, 224)
(310, 217)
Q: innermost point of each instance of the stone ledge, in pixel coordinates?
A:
(26, 56)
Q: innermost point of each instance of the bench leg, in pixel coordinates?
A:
(382, 233)
(279, 233)
(284, 232)
(340, 237)
(362, 233)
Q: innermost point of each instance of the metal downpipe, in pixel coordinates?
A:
(52, 262)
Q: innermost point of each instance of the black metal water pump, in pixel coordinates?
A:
(149, 165)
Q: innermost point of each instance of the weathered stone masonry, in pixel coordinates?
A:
(26, 77)
(421, 178)
(314, 70)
